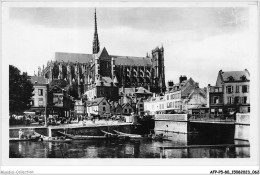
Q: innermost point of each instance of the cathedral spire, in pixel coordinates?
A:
(95, 41)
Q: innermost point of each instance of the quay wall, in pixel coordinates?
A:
(86, 130)
(13, 132)
(93, 130)
(242, 126)
(172, 122)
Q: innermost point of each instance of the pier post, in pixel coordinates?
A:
(49, 131)
(242, 126)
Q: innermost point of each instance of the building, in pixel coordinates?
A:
(196, 102)
(60, 102)
(135, 97)
(182, 97)
(88, 71)
(235, 86)
(103, 88)
(39, 99)
(99, 106)
(79, 107)
(155, 105)
(215, 101)
(127, 109)
(115, 108)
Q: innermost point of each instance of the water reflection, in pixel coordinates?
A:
(128, 149)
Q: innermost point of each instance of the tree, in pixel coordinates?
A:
(20, 90)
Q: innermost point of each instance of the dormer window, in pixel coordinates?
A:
(243, 78)
(230, 78)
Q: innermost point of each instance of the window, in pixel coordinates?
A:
(40, 101)
(236, 101)
(104, 103)
(104, 109)
(237, 89)
(230, 100)
(125, 110)
(141, 105)
(215, 100)
(244, 88)
(130, 110)
(40, 92)
(248, 109)
(167, 97)
(244, 100)
(229, 89)
(243, 78)
(230, 78)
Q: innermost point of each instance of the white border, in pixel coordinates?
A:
(254, 130)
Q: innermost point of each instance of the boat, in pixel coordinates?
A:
(52, 139)
(109, 133)
(82, 137)
(158, 137)
(23, 139)
(132, 136)
(116, 136)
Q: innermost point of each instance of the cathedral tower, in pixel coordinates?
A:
(158, 69)
(95, 41)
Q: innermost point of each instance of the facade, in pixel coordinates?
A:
(174, 101)
(116, 108)
(235, 86)
(135, 97)
(140, 106)
(39, 99)
(79, 107)
(155, 105)
(127, 109)
(105, 88)
(89, 70)
(99, 106)
(195, 101)
(215, 100)
(61, 103)
(182, 96)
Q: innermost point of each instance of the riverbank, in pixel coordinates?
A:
(88, 128)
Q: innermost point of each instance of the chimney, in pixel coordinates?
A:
(182, 78)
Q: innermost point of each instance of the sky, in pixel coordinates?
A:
(197, 41)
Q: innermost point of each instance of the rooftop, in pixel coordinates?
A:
(235, 75)
(38, 80)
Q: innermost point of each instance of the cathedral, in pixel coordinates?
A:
(104, 69)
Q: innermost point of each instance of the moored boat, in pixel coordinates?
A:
(23, 139)
(82, 137)
(115, 136)
(132, 136)
(52, 139)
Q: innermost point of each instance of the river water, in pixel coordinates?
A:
(130, 149)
